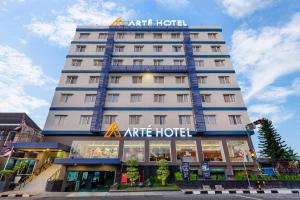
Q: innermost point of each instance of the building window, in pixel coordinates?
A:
(59, 120)
(90, 98)
(137, 62)
(220, 63)
(194, 35)
(137, 79)
(76, 62)
(134, 149)
(109, 119)
(202, 79)
(117, 62)
(196, 49)
(71, 79)
(158, 62)
(85, 119)
(98, 62)
(94, 149)
(184, 119)
(159, 119)
(84, 35)
(182, 98)
(120, 35)
(80, 48)
(94, 79)
(157, 35)
(229, 98)
(212, 36)
(199, 63)
(186, 151)
(210, 119)
(138, 48)
(159, 79)
(160, 150)
(65, 98)
(178, 62)
(100, 48)
(159, 98)
(139, 35)
(175, 35)
(235, 119)
(115, 79)
(216, 49)
(119, 48)
(102, 36)
(157, 48)
(112, 98)
(180, 79)
(213, 151)
(176, 48)
(134, 119)
(236, 148)
(206, 98)
(135, 98)
(224, 79)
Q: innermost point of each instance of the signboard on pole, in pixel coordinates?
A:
(185, 170)
(205, 170)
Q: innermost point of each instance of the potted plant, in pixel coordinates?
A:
(132, 170)
(162, 171)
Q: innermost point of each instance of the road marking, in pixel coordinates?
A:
(248, 197)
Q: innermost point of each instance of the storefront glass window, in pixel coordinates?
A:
(95, 149)
(134, 149)
(160, 150)
(186, 151)
(234, 149)
(212, 150)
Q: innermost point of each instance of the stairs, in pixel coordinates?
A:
(38, 183)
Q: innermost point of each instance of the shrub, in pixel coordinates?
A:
(178, 176)
(162, 171)
(132, 170)
(217, 177)
(193, 177)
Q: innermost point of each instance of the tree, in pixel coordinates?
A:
(163, 171)
(291, 155)
(132, 170)
(271, 144)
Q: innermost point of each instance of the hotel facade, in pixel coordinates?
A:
(172, 93)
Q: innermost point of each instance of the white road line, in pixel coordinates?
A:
(247, 197)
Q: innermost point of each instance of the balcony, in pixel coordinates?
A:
(148, 68)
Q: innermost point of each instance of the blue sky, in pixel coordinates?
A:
(263, 39)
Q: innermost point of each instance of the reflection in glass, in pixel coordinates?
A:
(134, 149)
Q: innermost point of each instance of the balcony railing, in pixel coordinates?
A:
(148, 68)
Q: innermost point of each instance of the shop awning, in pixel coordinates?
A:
(40, 146)
(87, 161)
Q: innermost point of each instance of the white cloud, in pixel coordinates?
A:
(241, 8)
(16, 74)
(262, 56)
(62, 29)
(173, 3)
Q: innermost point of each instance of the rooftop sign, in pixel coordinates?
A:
(149, 22)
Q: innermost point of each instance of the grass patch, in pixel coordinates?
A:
(153, 188)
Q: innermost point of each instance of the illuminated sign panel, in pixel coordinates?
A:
(149, 22)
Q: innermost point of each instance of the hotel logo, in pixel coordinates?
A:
(118, 22)
(113, 130)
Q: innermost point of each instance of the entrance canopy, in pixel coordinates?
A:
(40, 146)
(87, 161)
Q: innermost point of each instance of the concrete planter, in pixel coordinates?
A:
(232, 184)
(54, 186)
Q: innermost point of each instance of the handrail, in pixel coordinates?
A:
(55, 175)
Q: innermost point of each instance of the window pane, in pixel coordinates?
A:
(94, 149)
(134, 149)
(160, 150)
(212, 150)
(186, 151)
(235, 147)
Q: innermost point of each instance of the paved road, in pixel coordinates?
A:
(179, 197)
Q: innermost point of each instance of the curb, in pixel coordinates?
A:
(271, 191)
(15, 195)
